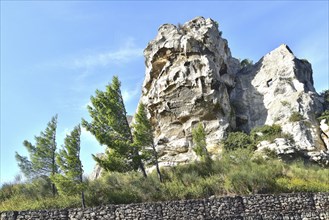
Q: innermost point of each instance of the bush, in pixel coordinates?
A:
(237, 172)
(324, 115)
(295, 117)
(237, 140)
(266, 132)
(246, 63)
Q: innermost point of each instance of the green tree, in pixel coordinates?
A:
(42, 155)
(70, 181)
(143, 138)
(199, 141)
(111, 128)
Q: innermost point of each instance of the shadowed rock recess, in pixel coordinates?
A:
(191, 77)
(286, 206)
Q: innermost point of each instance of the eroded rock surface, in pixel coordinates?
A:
(191, 77)
(189, 73)
(279, 89)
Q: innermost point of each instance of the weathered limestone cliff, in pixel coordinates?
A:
(278, 89)
(189, 73)
(191, 77)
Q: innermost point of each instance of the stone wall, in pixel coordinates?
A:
(283, 206)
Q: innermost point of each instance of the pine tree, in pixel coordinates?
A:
(42, 155)
(111, 128)
(143, 138)
(70, 181)
(199, 141)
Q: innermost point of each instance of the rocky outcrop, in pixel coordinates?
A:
(191, 77)
(189, 73)
(279, 89)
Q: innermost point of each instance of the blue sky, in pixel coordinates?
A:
(55, 54)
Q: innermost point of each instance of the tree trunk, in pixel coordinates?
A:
(83, 203)
(83, 199)
(53, 189)
(157, 163)
(141, 166)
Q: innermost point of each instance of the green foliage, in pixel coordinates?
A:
(237, 140)
(143, 134)
(246, 63)
(69, 182)
(35, 194)
(304, 178)
(324, 115)
(143, 138)
(111, 128)
(42, 155)
(295, 117)
(237, 172)
(266, 132)
(246, 175)
(199, 141)
(325, 95)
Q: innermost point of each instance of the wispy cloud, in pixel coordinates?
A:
(84, 61)
(88, 137)
(129, 95)
(124, 54)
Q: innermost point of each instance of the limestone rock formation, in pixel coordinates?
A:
(191, 77)
(278, 89)
(189, 73)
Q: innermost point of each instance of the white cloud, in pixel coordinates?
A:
(124, 54)
(88, 137)
(129, 95)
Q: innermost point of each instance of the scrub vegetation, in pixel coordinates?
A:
(54, 178)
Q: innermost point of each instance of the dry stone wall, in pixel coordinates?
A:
(284, 206)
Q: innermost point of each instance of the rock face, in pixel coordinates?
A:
(189, 72)
(191, 77)
(278, 89)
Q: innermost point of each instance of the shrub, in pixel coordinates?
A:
(266, 132)
(324, 115)
(295, 117)
(246, 175)
(246, 63)
(296, 184)
(237, 172)
(237, 140)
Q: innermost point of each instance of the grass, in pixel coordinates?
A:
(238, 172)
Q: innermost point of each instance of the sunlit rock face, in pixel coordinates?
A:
(189, 74)
(191, 77)
(273, 91)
